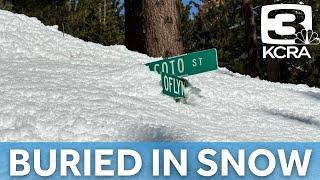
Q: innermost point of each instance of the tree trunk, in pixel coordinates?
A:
(250, 24)
(273, 70)
(153, 27)
(273, 65)
(134, 26)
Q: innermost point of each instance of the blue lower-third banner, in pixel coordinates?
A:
(159, 160)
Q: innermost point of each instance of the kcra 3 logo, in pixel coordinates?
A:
(287, 28)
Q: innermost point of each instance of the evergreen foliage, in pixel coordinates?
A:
(222, 27)
(99, 21)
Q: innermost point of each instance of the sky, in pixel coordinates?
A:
(193, 10)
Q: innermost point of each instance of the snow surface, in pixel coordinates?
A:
(54, 87)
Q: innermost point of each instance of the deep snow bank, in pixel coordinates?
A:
(55, 87)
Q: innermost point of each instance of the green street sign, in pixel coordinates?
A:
(172, 85)
(187, 64)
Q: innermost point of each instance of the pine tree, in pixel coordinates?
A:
(187, 28)
(153, 27)
(99, 21)
(211, 29)
(250, 27)
(6, 5)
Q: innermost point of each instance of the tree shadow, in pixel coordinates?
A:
(312, 95)
(296, 117)
(148, 132)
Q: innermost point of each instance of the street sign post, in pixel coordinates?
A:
(172, 85)
(187, 64)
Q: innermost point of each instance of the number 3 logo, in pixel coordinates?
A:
(283, 24)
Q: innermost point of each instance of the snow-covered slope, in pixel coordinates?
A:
(55, 87)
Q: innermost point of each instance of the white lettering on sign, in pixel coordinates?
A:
(180, 65)
(171, 65)
(197, 62)
(166, 83)
(165, 67)
(156, 67)
(173, 85)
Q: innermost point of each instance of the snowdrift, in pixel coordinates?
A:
(54, 87)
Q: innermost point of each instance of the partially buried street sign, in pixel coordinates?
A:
(187, 64)
(172, 85)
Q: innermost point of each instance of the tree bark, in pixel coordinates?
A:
(153, 27)
(250, 25)
(273, 70)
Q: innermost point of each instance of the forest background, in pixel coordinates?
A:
(228, 25)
